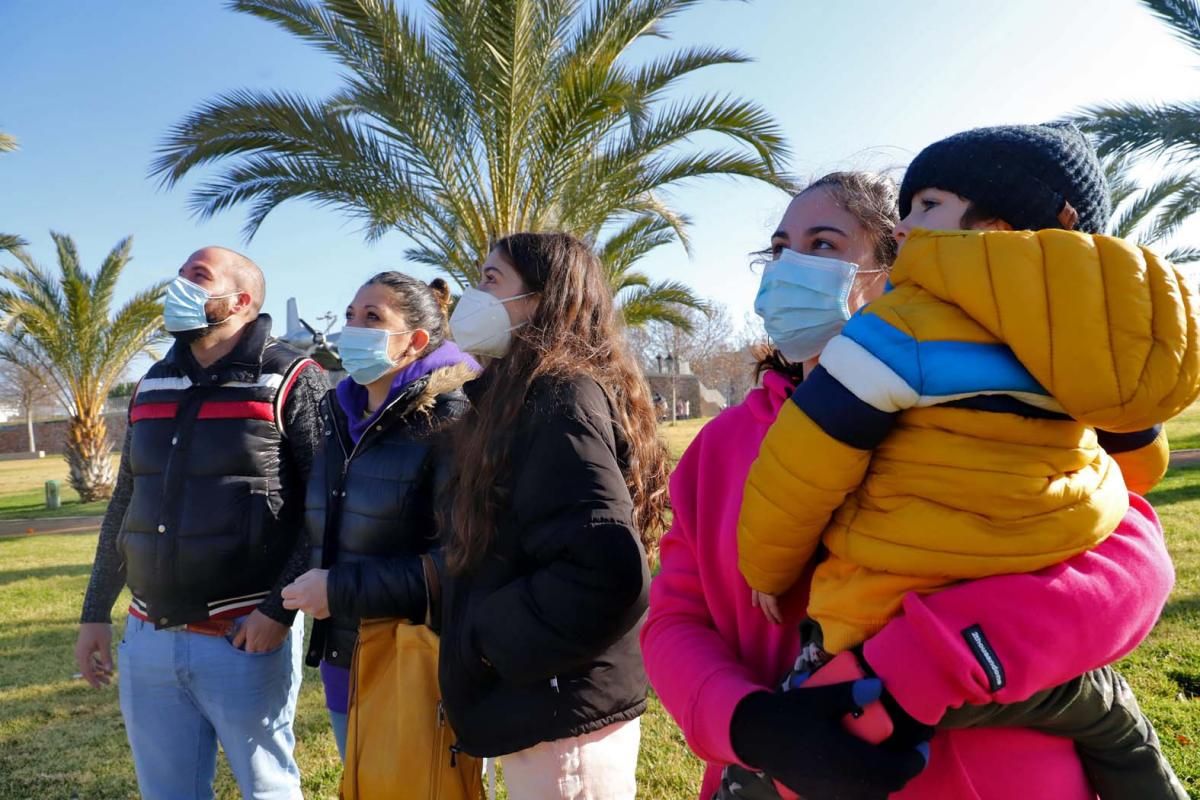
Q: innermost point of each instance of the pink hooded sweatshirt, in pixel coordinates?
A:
(706, 648)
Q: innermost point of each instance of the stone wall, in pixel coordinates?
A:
(52, 434)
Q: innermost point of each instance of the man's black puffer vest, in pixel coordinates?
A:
(375, 500)
(209, 526)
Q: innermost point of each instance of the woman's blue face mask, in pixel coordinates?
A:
(803, 302)
(364, 353)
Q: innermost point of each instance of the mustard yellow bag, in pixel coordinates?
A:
(398, 741)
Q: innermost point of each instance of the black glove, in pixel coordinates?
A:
(907, 732)
(797, 738)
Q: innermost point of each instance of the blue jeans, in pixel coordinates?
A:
(340, 723)
(183, 692)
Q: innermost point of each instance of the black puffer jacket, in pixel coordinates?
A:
(540, 640)
(371, 506)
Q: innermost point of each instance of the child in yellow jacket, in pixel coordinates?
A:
(957, 427)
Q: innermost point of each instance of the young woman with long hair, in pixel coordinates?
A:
(557, 487)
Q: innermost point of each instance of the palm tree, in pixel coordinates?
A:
(65, 325)
(1152, 214)
(480, 118)
(8, 241)
(1126, 130)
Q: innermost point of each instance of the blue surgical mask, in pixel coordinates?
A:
(183, 306)
(364, 353)
(803, 302)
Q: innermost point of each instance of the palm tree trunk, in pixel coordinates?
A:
(88, 456)
(29, 427)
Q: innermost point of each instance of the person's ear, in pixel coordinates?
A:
(242, 302)
(1068, 218)
(419, 340)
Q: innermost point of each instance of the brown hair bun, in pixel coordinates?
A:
(441, 291)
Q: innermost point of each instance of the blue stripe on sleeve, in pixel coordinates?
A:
(891, 346)
(839, 413)
(1126, 442)
(942, 368)
(952, 368)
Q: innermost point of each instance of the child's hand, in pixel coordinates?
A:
(769, 604)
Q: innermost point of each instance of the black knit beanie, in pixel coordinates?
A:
(1021, 173)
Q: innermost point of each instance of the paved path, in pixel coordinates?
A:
(28, 527)
(1185, 458)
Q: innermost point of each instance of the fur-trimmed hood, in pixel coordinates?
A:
(443, 381)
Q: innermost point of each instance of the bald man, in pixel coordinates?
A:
(204, 528)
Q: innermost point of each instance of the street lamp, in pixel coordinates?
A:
(673, 370)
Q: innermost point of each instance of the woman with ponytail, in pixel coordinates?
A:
(370, 503)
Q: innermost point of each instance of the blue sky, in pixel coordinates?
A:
(90, 89)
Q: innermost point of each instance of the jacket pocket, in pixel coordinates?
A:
(257, 517)
(480, 673)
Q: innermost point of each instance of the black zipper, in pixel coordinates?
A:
(173, 481)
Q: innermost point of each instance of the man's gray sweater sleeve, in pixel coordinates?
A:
(108, 570)
(302, 421)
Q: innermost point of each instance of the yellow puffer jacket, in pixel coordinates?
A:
(951, 430)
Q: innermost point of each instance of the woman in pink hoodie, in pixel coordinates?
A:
(999, 639)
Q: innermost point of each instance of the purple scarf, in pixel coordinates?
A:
(353, 398)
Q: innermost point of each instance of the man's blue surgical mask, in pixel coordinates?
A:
(183, 307)
(803, 302)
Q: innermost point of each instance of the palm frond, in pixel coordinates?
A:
(665, 301)
(7, 143)
(1127, 129)
(1146, 205)
(317, 26)
(627, 245)
(1184, 255)
(1176, 209)
(1181, 16)
(1121, 185)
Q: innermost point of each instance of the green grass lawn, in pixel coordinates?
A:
(61, 739)
(1184, 431)
(679, 435)
(23, 495)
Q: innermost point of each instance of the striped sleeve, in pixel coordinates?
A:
(1143, 456)
(876, 363)
(818, 449)
(886, 366)
(814, 455)
(839, 412)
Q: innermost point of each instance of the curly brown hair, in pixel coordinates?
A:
(574, 331)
